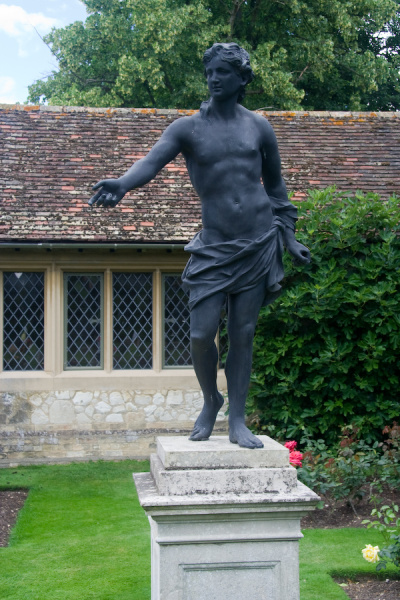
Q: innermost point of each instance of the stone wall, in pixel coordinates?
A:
(61, 426)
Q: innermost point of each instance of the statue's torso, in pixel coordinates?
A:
(225, 166)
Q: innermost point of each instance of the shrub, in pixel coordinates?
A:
(387, 522)
(352, 470)
(327, 352)
(389, 462)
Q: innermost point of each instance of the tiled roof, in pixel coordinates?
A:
(51, 156)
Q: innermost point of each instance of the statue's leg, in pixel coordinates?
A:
(243, 312)
(204, 321)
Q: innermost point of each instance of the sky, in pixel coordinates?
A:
(24, 57)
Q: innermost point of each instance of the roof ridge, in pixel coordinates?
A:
(183, 111)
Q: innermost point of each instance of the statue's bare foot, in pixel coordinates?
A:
(205, 421)
(240, 434)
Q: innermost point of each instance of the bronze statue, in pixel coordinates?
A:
(237, 257)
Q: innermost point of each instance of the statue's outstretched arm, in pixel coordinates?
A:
(111, 191)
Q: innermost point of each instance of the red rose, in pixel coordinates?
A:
(290, 445)
(295, 458)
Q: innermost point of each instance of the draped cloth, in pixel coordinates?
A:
(235, 266)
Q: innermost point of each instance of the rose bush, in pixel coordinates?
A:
(388, 524)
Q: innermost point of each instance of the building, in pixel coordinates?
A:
(94, 352)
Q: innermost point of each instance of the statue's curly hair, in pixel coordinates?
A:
(235, 55)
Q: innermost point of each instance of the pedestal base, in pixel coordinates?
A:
(220, 544)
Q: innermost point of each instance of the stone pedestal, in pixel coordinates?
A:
(225, 521)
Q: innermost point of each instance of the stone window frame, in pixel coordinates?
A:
(55, 315)
(106, 299)
(53, 264)
(106, 361)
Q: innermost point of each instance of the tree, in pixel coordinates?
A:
(387, 46)
(130, 53)
(314, 54)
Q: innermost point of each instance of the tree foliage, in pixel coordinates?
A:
(316, 54)
(386, 46)
(326, 354)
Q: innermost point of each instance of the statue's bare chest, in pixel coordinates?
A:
(214, 142)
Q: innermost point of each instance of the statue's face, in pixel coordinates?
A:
(222, 79)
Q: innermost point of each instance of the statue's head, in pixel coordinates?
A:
(236, 56)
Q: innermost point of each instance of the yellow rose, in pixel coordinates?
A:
(370, 553)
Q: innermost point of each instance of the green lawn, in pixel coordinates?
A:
(82, 535)
(334, 552)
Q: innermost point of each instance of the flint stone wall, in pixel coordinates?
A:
(61, 426)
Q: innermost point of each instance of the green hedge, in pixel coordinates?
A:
(327, 352)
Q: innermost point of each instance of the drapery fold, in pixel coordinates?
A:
(235, 266)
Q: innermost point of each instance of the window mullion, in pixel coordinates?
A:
(157, 322)
(108, 322)
(51, 319)
(57, 322)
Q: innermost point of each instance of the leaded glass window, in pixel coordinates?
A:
(83, 320)
(23, 322)
(132, 320)
(176, 323)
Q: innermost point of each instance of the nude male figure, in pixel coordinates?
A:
(238, 255)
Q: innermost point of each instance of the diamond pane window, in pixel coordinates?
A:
(132, 320)
(84, 320)
(23, 322)
(176, 323)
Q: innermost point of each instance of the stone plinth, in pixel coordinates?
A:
(225, 521)
(177, 452)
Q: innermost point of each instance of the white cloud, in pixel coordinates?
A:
(7, 90)
(16, 22)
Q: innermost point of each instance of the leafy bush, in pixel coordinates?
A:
(390, 458)
(387, 522)
(327, 352)
(354, 468)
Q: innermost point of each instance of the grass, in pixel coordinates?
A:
(82, 535)
(326, 553)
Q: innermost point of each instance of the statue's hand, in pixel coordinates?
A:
(301, 255)
(110, 192)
